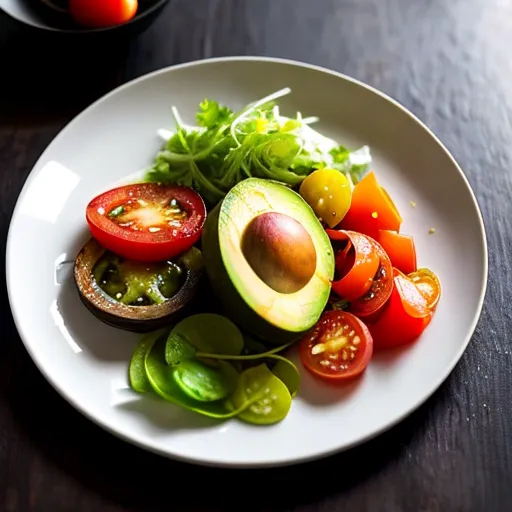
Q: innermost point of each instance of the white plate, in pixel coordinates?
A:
(86, 361)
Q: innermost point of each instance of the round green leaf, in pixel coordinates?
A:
(136, 372)
(208, 332)
(270, 397)
(288, 373)
(178, 349)
(161, 378)
(205, 383)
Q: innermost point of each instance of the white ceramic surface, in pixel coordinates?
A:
(86, 361)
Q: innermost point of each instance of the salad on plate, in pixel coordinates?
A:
(251, 235)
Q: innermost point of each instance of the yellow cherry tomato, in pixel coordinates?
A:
(329, 194)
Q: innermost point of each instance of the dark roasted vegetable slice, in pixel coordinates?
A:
(134, 318)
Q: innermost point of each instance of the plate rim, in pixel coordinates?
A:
(290, 460)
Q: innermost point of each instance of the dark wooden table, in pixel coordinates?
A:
(446, 60)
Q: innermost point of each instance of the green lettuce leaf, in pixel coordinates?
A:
(227, 147)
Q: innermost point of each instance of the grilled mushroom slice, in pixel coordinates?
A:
(135, 296)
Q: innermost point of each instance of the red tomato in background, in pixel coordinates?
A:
(371, 209)
(400, 249)
(102, 13)
(147, 221)
(339, 347)
(404, 317)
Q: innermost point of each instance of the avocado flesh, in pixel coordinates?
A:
(246, 298)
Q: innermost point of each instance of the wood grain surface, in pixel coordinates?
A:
(449, 62)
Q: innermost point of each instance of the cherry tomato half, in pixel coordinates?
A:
(338, 347)
(366, 273)
(405, 316)
(371, 209)
(356, 264)
(428, 284)
(381, 287)
(147, 221)
(328, 193)
(102, 13)
(400, 249)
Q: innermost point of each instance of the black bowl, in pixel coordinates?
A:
(34, 13)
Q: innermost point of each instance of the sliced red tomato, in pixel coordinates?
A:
(339, 347)
(405, 316)
(147, 221)
(400, 249)
(102, 13)
(381, 287)
(356, 264)
(371, 209)
(428, 284)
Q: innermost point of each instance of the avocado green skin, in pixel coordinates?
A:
(233, 304)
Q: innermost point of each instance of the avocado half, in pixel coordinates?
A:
(272, 312)
(129, 318)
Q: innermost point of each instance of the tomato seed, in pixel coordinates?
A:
(318, 349)
(115, 212)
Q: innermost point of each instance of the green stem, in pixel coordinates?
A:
(247, 110)
(250, 357)
(173, 158)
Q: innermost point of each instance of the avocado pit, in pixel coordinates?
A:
(280, 251)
